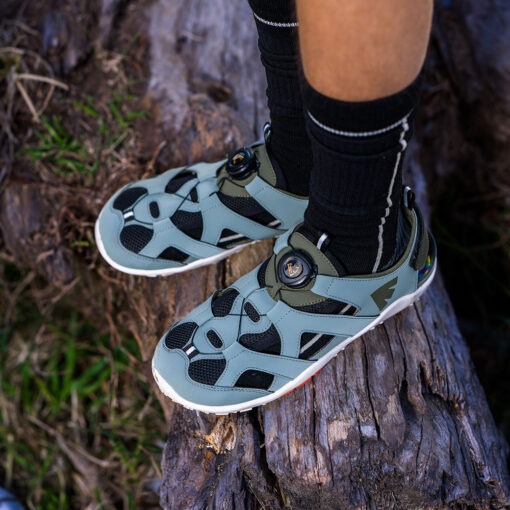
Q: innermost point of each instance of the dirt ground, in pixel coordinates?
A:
(72, 108)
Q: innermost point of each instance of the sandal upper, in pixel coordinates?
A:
(195, 212)
(279, 319)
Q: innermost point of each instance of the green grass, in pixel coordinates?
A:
(78, 423)
(77, 141)
(58, 148)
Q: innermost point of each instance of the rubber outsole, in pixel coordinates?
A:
(152, 273)
(396, 307)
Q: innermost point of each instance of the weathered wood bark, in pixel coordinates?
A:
(398, 420)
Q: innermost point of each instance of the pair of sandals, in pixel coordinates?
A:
(278, 325)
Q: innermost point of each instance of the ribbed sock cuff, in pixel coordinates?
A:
(345, 117)
(274, 11)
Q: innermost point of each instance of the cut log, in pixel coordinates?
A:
(399, 419)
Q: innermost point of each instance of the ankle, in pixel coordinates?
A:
(355, 242)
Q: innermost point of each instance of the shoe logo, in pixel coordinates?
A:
(237, 159)
(383, 294)
(293, 268)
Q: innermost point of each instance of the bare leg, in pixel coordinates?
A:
(364, 49)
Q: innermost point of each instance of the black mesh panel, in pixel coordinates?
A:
(226, 232)
(135, 237)
(174, 254)
(236, 238)
(251, 312)
(261, 273)
(328, 306)
(214, 339)
(223, 301)
(255, 379)
(154, 209)
(128, 197)
(193, 195)
(247, 207)
(190, 223)
(206, 371)
(268, 342)
(179, 180)
(315, 346)
(180, 335)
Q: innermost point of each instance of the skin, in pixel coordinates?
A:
(360, 50)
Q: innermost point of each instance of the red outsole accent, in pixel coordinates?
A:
(303, 383)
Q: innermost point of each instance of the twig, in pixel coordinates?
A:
(64, 444)
(45, 79)
(25, 28)
(28, 102)
(155, 156)
(12, 49)
(27, 280)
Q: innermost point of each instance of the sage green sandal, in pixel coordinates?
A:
(193, 216)
(281, 323)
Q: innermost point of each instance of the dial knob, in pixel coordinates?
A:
(295, 269)
(242, 164)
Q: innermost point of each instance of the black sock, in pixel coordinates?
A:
(356, 182)
(289, 144)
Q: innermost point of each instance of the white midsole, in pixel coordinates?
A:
(396, 307)
(166, 271)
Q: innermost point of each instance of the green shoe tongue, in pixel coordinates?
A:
(266, 169)
(235, 187)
